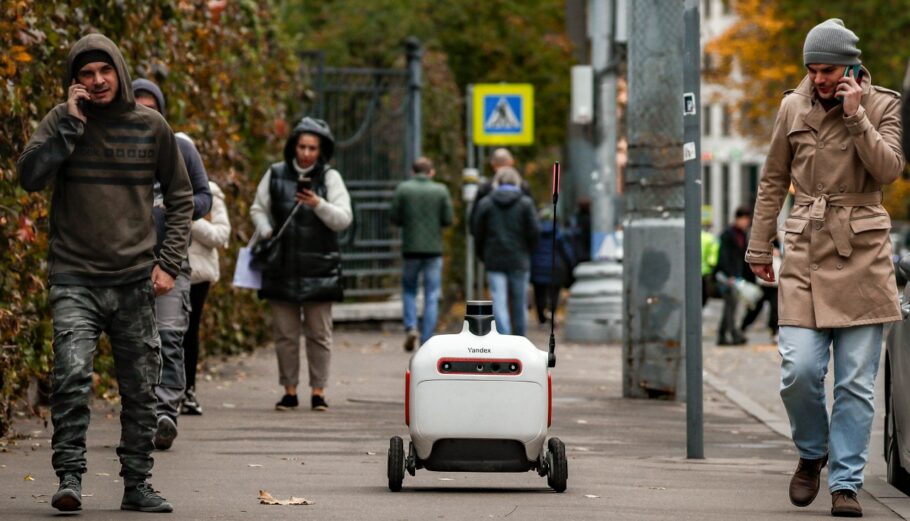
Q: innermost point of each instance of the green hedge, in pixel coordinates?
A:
(230, 80)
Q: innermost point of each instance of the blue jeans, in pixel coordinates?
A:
(805, 354)
(432, 281)
(510, 294)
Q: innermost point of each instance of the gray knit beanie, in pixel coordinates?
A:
(831, 43)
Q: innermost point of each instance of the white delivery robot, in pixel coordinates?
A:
(479, 401)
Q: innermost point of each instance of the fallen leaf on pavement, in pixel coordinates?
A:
(266, 499)
(371, 453)
(228, 405)
(103, 474)
(446, 479)
(253, 465)
(28, 477)
(591, 496)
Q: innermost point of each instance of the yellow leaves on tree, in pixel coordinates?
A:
(754, 58)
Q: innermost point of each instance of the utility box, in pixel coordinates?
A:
(582, 94)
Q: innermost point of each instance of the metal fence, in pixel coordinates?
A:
(367, 109)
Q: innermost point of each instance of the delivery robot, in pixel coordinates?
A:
(479, 401)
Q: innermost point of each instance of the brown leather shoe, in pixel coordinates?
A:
(845, 504)
(804, 484)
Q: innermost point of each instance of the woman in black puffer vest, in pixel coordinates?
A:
(303, 272)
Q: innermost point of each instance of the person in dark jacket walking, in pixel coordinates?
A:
(545, 278)
(303, 271)
(731, 265)
(506, 232)
(103, 152)
(172, 310)
(422, 207)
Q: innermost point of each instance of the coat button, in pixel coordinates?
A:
(843, 146)
(818, 226)
(840, 265)
(815, 267)
(820, 186)
(842, 188)
(821, 144)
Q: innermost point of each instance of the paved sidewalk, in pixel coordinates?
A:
(749, 375)
(626, 457)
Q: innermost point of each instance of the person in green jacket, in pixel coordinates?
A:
(710, 251)
(421, 207)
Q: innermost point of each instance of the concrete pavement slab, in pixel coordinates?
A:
(626, 457)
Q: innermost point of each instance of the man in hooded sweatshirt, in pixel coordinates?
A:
(172, 310)
(103, 153)
(506, 232)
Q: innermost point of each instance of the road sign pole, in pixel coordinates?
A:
(469, 205)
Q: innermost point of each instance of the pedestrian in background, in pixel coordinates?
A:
(506, 233)
(710, 254)
(500, 158)
(422, 208)
(304, 271)
(208, 235)
(546, 278)
(103, 152)
(769, 295)
(731, 267)
(172, 310)
(837, 139)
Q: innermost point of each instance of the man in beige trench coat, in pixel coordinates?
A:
(837, 139)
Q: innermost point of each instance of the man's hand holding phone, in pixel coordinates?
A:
(848, 89)
(75, 96)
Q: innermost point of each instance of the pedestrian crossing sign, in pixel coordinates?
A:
(503, 114)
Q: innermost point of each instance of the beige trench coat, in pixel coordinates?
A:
(837, 269)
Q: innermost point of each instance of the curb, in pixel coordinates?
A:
(883, 492)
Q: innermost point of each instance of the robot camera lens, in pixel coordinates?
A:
(495, 368)
(479, 368)
(513, 367)
(446, 366)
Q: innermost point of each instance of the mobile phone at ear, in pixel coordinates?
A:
(857, 71)
(857, 75)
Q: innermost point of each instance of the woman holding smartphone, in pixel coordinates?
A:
(304, 192)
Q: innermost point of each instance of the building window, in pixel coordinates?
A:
(725, 192)
(706, 120)
(751, 188)
(706, 8)
(706, 184)
(724, 7)
(726, 124)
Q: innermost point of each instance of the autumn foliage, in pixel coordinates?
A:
(229, 78)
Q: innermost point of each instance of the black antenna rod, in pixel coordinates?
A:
(553, 287)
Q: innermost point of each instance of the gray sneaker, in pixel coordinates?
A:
(69, 495)
(142, 497)
(167, 431)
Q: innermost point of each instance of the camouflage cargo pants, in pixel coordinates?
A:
(126, 314)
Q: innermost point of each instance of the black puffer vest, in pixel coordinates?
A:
(307, 267)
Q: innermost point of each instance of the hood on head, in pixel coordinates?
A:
(505, 197)
(316, 127)
(149, 86)
(99, 42)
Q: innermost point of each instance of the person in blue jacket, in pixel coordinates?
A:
(545, 278)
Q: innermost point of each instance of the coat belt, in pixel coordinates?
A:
(839, 223)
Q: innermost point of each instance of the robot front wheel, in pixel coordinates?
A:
(557, 465)
(396, 463)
